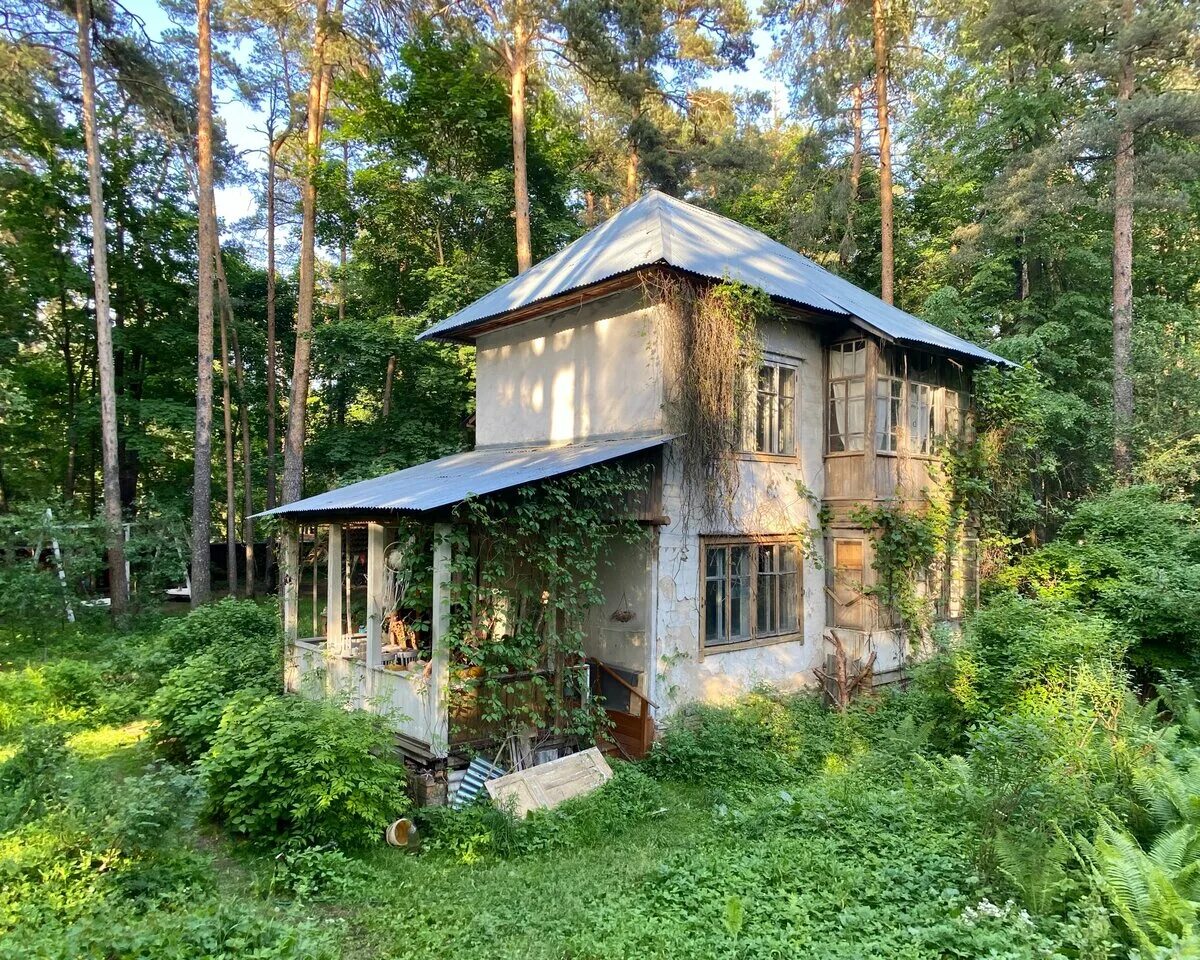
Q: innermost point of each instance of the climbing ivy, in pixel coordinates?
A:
(526, 570)
(712, 351)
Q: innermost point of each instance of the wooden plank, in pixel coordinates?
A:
(439, 631)
(289, 582)
(376, 542)
(546, 786)
(333, 591)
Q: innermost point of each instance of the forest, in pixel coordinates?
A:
(223, 227)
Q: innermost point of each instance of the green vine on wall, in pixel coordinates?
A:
(712, 353)
(526, 571)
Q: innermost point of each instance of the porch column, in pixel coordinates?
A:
(439, 635)
(333, 592)
(289, 582)
(376, 542)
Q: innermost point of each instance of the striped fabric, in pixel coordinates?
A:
(478, 773)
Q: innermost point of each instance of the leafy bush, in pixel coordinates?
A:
(73, 683)
(763, 738)
(237, 648)
(204, 929)
(227, 624)
(285, 768)
(1132, 557)
(35, 777)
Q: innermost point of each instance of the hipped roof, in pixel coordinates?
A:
(661, 230)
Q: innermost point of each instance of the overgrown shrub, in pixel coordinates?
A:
(1132, 557)
(762, 738)
(35, 777)
(285, 769)
(237, 647)
(227, 624)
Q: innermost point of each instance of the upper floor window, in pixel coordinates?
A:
(847, 397)
(751, 592)
(889, 392)
(769, 415)
(921, 430)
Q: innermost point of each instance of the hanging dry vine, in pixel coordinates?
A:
(710, 352)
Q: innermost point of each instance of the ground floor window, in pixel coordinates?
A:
(751, 591)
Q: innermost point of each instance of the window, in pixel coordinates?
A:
(847, 396)
(769, 418)
(751, 592)
(888, 394)
(951, 415)
(921, 429)
(847, 585)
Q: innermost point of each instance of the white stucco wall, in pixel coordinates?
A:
(588, 371)
(768, 502)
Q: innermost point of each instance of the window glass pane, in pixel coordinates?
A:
(859, 365)
(787, 425)
(789, 589)
(837, 416)
(715, 564)
(714, 611)
(762, 438)
(953, 421)
(739, 593)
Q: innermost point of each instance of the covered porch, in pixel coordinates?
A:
(371, 590)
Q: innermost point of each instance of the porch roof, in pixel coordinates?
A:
(452, 479)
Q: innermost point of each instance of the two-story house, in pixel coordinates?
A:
(850, 398)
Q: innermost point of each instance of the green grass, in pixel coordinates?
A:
(796, 835)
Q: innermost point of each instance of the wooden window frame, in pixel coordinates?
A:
(753, 543)
(748, 413)
(828, 397)
(898, 428)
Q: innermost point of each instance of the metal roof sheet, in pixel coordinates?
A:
(661, 229)
(452, 479)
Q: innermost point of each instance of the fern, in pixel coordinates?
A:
(1153, 894)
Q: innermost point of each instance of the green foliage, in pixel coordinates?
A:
(482, 832)
(287, 770)
(762, 739)
(236, 646)
(1131, 556)
(227, 624)
(527, 568)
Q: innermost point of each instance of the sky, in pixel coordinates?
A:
(244, 125)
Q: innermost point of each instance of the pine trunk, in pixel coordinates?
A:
(388, 377)
(114, 530)
(846, 250)
(519, 68)
(273, 149)
(879, 16)
(1122, 309)
(231, 574)
(247, 471)
(239, 369)
(201, 576)
(318, 96)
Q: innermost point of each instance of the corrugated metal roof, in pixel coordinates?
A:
(661, 229)
(452, 479)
